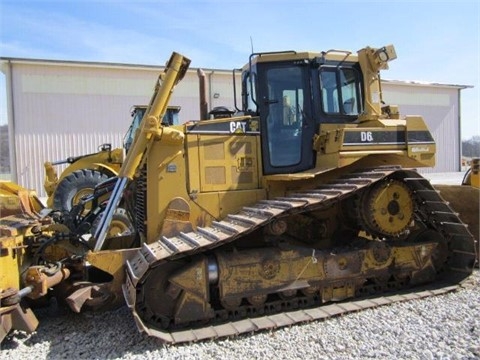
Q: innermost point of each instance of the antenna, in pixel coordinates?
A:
(251, 43)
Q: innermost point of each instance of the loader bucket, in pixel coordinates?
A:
(15, 200)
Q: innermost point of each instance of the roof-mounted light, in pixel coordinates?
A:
(385, 54)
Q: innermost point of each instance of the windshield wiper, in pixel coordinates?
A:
(270, 101)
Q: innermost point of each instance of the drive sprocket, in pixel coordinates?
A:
(387, 208)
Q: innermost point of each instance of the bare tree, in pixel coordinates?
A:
(471, 147)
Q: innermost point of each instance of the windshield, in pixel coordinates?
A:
(137, 118)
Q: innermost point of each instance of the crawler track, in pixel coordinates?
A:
(430, 209)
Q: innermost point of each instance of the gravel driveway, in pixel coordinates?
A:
(440, 327)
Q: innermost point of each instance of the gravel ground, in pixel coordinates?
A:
(440, 327)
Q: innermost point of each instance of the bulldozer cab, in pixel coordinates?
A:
(294, 93)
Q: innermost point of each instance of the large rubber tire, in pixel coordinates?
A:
(74, 186)
(467, 178)
(120, 224)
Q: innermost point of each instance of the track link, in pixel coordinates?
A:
(431, 209)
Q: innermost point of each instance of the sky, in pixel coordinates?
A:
(435, 41)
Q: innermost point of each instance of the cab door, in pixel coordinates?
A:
(287, 128)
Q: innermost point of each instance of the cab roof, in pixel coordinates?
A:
(330, 55)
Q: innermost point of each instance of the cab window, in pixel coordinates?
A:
(341, 91)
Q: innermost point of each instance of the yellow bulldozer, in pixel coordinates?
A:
(84, 172)
(303, 205)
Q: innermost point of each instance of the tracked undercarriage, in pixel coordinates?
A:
(254, 270)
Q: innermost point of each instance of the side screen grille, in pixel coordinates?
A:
(141, 202)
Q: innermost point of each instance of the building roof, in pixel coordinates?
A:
(95, 64)
(425, 83)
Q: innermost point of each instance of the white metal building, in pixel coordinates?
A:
(58, 109)
(439, 104)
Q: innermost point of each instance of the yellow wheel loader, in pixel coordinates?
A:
(303, 205)
(85, 172)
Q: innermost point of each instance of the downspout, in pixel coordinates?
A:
(210, 95)
(460, 130)
(203, 95)
(11, 123)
